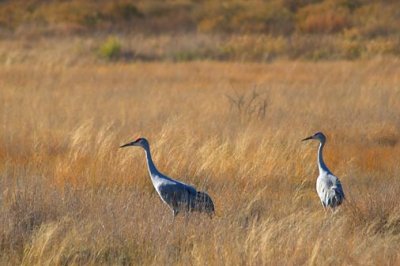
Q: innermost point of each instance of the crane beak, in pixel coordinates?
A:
(310, 137)
(127, 144)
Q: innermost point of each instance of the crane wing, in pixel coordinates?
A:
(176, 195)
(330, 190)
(190, 189)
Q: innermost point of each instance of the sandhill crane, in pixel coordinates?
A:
(328, 186)
(177, 195)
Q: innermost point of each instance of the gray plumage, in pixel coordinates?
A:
(328, 186)
(203, 203)
(180, 197)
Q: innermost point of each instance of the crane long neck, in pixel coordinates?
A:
(321, 164)
(150, 164)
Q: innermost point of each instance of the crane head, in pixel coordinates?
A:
(138, 142)
(319, 136)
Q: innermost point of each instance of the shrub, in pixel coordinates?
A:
(110, 49)
(323, 18)
(125, 11)
(378, 20)
(220, 16)
(248, 105)
(351, 49)
(278, 19)
(187, 55)
(382, 46)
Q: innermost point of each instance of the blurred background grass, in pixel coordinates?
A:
(219, 30)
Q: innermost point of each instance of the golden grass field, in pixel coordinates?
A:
(69, 195)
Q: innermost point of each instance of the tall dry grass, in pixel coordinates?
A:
(68, 195)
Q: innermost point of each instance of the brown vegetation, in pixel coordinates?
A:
(219, 30)
(276, 17)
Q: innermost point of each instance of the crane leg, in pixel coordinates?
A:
(174, 214)
(186, 217)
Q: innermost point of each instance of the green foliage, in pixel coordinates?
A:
(110, 49)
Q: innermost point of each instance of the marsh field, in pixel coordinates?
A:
(69, 195)
(224, 91)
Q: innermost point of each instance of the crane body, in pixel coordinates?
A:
(180, 197)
